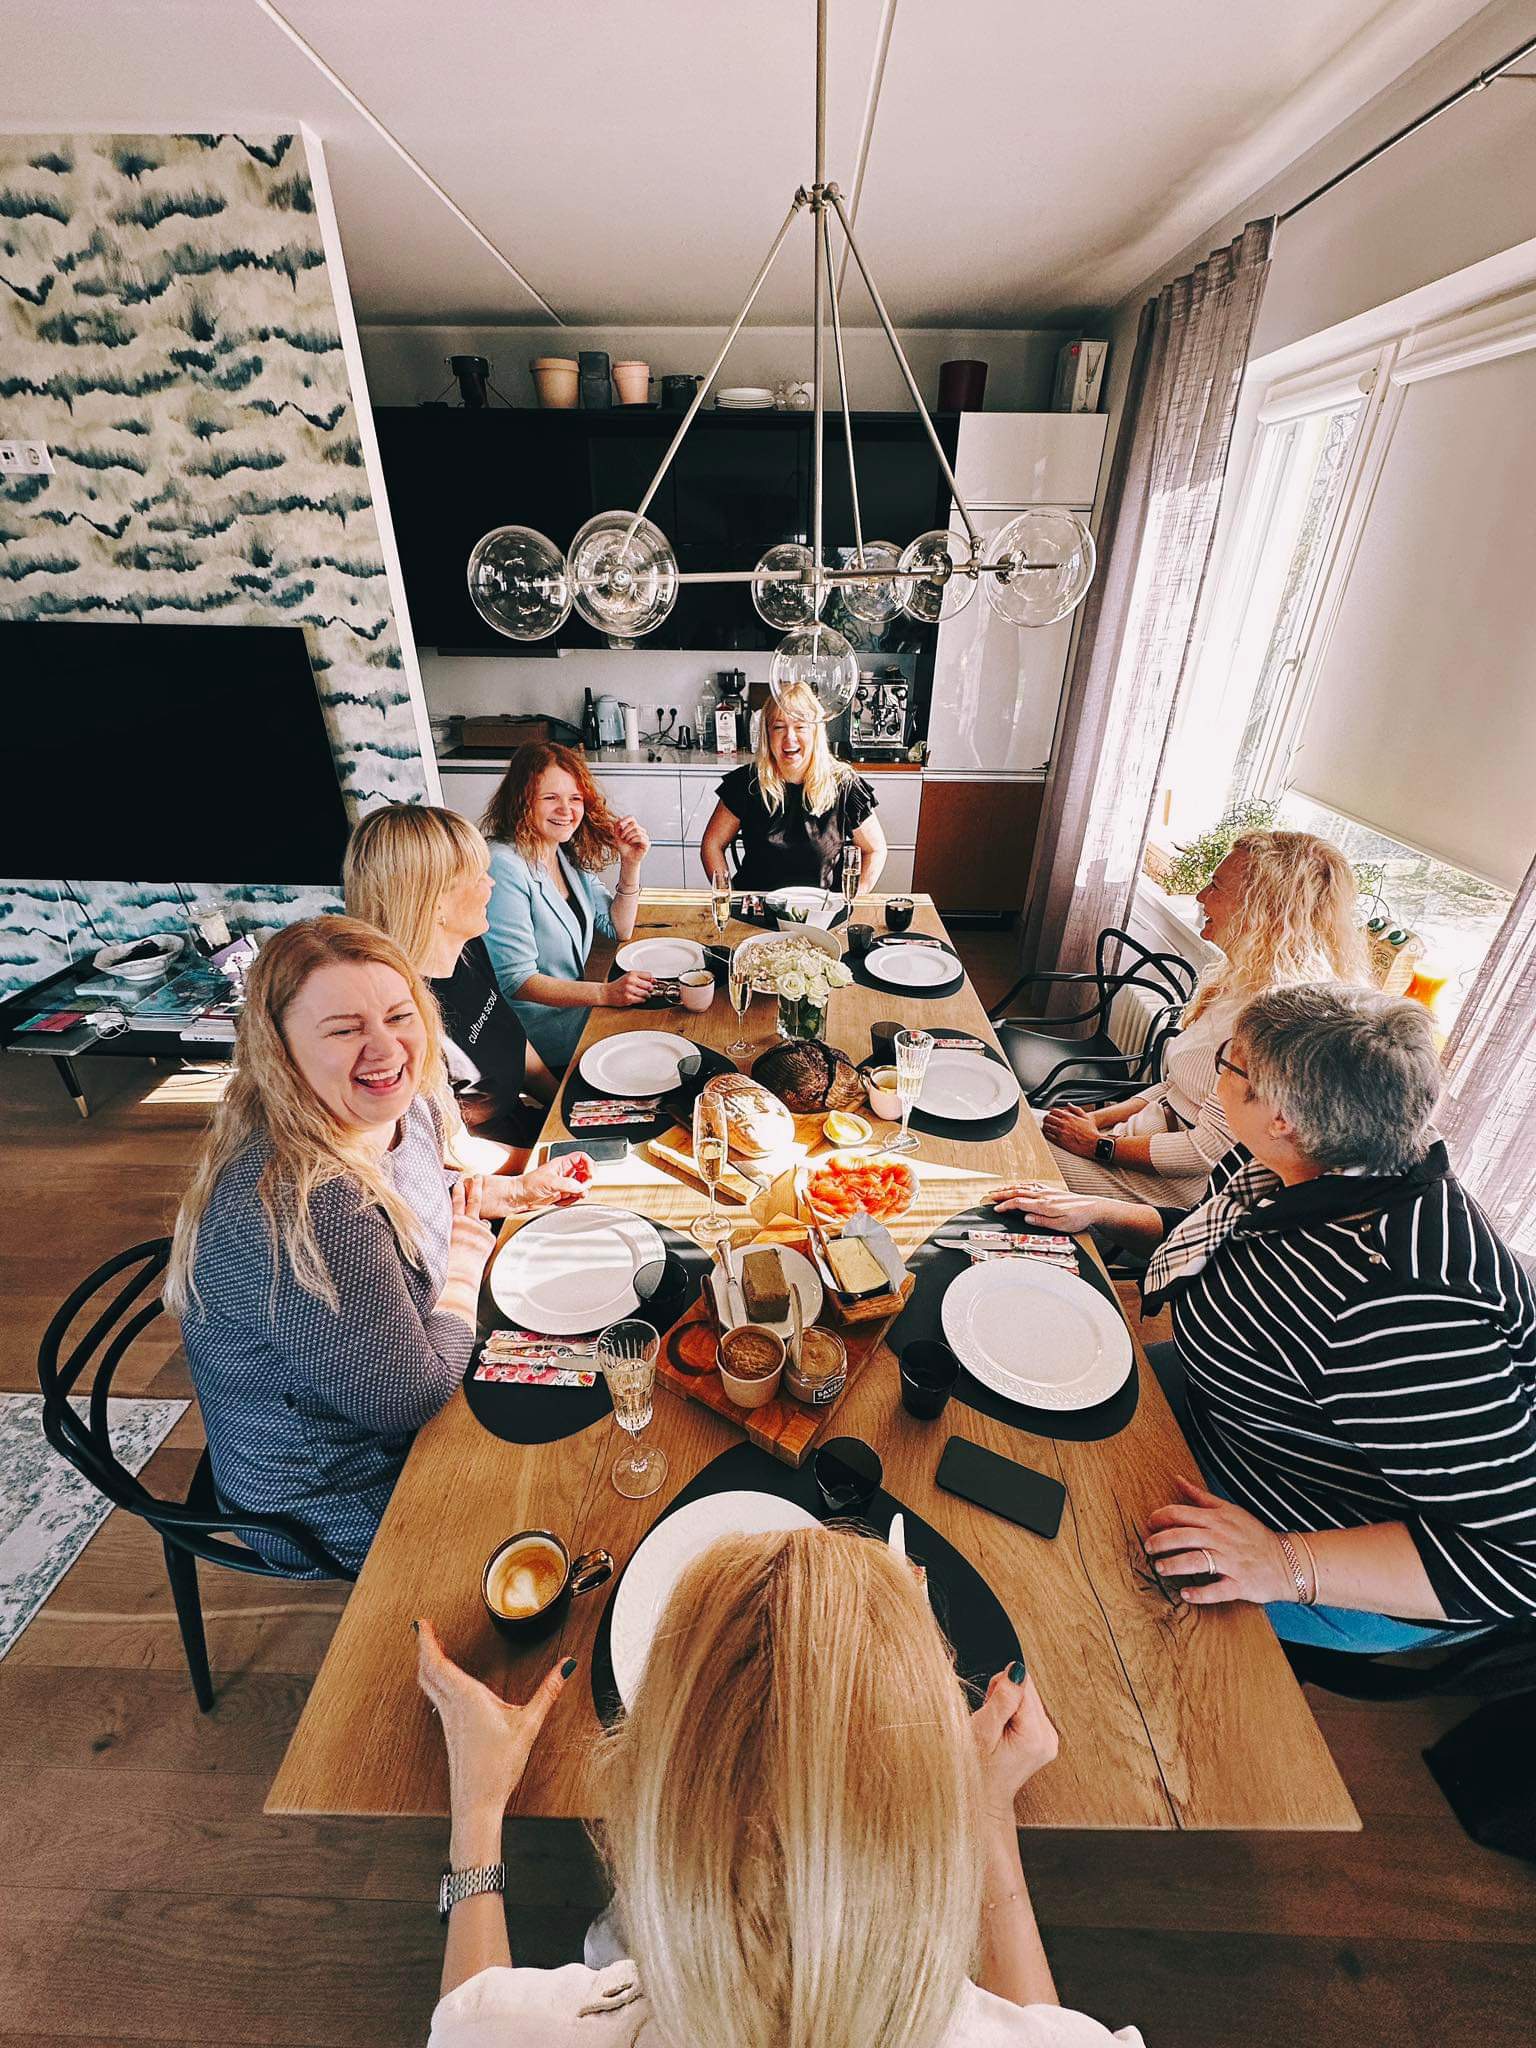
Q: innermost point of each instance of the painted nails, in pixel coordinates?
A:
(1016, 1673)
(567, 1667)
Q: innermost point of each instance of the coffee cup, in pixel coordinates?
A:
(696, 989)
(751, 1364)
(880, 1087)
(898, 913)
(528, 1581)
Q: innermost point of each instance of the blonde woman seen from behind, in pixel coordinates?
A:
(811, 1835)
(1284, 910)
(424, 876)
(795, 808)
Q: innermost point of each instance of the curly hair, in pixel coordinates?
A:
(1296, 920)
(509, 814)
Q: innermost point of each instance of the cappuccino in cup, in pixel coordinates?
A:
(525, 1578)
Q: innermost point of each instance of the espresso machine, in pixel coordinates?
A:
(880, 716)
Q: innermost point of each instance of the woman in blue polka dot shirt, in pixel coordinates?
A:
(327, 1263)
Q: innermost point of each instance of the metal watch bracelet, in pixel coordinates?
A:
(456, 1886)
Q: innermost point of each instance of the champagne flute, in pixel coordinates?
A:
(913, 1051)
(720, 900)
(739, 987)
(626, 1358)
(711, 1149)
(852, 872)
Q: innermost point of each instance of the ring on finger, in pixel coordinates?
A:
(1210, 1562)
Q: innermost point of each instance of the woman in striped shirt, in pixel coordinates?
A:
(1358, 1348)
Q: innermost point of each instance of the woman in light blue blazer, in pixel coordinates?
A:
(550, 831)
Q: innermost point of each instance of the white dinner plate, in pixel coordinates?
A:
(571, 1270)
(966, 1086)
(1035, 1335)
(661, 957)
(634, 1063)
(801, 1275)
(661, 1559)
(906, 966)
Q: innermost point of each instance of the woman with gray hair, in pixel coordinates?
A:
(1354, 1349)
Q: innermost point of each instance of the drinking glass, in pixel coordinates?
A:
(739, 986)
(720, 901)
(626, 1358)
(853, 868)
(913, 1051)
(711, 1149)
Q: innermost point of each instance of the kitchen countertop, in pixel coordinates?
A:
(654, 757)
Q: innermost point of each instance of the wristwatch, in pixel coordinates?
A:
(1104, 1148)
(458, 1885)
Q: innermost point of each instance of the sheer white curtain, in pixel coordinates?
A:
(1155, 537)
(1489, 1114)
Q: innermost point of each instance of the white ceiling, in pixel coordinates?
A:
(1031, 161)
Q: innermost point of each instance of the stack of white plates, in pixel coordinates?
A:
(745, 398)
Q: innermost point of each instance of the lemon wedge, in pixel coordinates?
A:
(841, 1129)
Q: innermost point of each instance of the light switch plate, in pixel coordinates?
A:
(25, 458)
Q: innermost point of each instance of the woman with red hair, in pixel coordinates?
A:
(550, 833)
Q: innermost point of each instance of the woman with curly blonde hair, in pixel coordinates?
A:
(811, 1834)
(1284, 910)
(551, 831)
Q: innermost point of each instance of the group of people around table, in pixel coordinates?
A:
(1353, 1359)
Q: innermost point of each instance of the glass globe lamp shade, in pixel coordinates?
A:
(1046, 561)
(781, 603)
(624, 583)
(938, 589)
(518, 583)
(876, 602)
(818, 659)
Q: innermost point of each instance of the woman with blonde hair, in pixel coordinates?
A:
(795, 808)
(551, 831)
(424, 876)
(1284, 910)
(326, 1264)
(810, 1833)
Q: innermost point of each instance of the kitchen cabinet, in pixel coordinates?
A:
(976, 836)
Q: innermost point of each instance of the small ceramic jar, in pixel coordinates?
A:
(757, 1355)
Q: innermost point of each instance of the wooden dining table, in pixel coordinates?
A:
(1170, 1716)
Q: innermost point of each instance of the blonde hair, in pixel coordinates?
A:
(824, 774)
(794, 1798)
(269, 1100)
(399, 863)
(1296, 919)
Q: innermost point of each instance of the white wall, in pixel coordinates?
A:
(409, 364)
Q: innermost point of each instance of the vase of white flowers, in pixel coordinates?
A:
(803, 978)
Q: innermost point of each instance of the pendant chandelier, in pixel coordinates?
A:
(620, 572)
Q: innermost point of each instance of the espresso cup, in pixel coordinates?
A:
(898, 913)
(848, 1474)
(860, 938)
(527, 1595)
(929, 1373)
(696, 990)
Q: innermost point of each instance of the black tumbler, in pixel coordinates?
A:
(882, 1043)
(848, 1474)
(860, 938)
(929, 1373)
(898, 913)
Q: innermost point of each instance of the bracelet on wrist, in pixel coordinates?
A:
(1306, 1596)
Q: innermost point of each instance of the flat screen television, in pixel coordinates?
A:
(180, 753)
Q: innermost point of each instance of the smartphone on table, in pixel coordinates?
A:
(1002, 1486)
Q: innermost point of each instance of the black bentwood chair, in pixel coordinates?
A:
(188, 1529)
(1052, 1065)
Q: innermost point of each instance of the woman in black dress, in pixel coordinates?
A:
(423, 876)
(794, 809)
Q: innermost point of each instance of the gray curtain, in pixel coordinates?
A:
(1489, 1114)
(1155, 538)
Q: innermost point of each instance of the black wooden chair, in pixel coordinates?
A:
(1053, 1065)
(189, 1529)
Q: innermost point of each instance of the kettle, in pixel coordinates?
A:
(610, 722)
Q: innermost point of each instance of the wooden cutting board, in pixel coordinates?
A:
(784, 1426)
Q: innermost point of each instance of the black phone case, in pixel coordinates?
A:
(597, 1149)
(1002, 1486)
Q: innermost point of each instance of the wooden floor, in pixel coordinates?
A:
(145, 1899)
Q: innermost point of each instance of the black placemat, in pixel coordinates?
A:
(965, 1131)
(935, 1268)
(865, 979)
(543, 1415)
(968, 1611)
(675, 1108)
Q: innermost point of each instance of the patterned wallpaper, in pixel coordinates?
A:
(167, 326)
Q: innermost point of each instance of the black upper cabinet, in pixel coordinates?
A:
(739, 483)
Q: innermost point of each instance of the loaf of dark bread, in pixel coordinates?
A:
(809, 1076)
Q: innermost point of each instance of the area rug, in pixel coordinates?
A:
(48, 1510)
